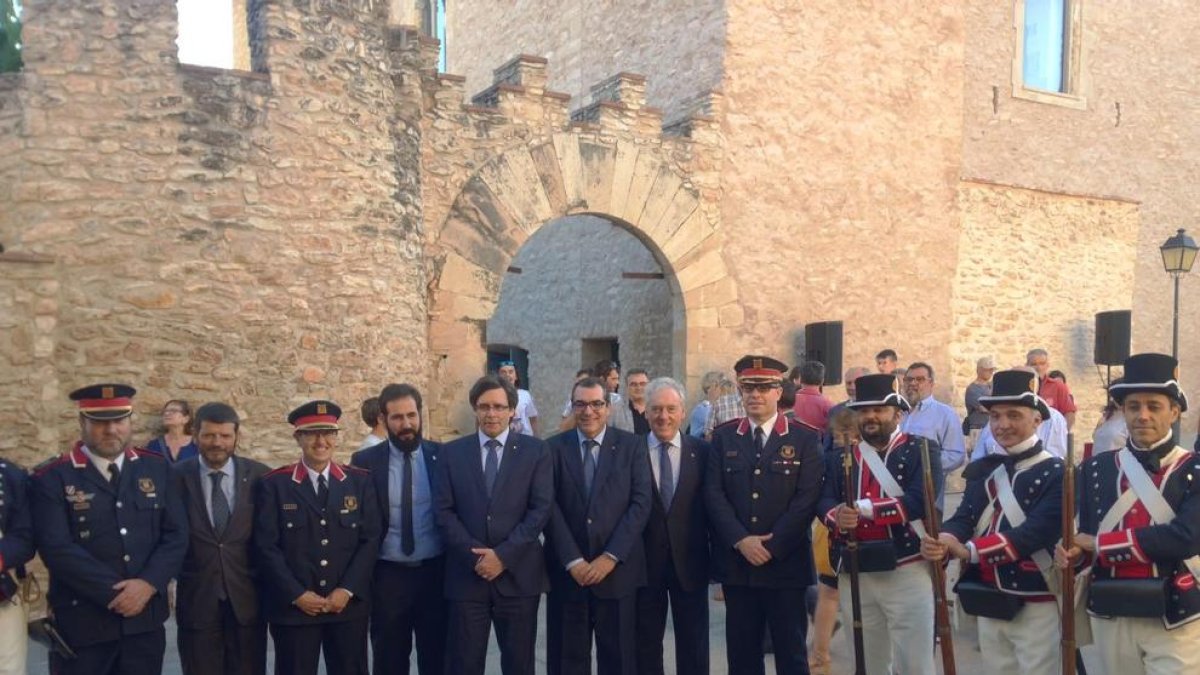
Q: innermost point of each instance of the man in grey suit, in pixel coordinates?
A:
(220, 628)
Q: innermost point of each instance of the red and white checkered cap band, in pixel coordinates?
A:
(313, 422)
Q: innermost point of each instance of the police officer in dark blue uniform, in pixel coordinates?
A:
(317, 532)
(764, 478)
(112, 536)
(16, 548)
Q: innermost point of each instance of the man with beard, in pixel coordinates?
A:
(594, 551)
(763, 481)
(316, 535)
(1004, 531)
(1139, 515)
(406, 588)
(220, 628)
(112, 534)
(494, 496)
(887, 491)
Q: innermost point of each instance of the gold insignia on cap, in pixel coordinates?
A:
(146, 485)
(350, 503)
(107, 392)
(757, 364)
(322, 409)
(787, 452)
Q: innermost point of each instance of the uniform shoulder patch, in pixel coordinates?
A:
(51, 463)
(285, 469)
(142, 452)
(350, 468)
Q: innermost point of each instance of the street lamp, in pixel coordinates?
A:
(1178, 255)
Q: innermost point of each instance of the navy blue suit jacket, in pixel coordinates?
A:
(679, 536)
(375, 460)
(510, 522)
(610, 520)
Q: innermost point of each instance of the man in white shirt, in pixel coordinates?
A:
(525, 417)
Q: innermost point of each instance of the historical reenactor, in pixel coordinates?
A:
(764, 479)
(595, 557)
(1139, 515)
(889, 502)
(16, 549)
(1006, 528)
(406, 587)
(316, 535)
(112, 535)
(221, 628)
(677, 540)
(494, 497)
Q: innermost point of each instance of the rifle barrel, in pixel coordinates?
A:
(941, 607)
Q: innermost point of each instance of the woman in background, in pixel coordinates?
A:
(176, 443)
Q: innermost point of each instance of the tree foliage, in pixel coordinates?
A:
(10, 35)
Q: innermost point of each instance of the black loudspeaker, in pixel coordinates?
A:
(823, 342)
(1112, 337)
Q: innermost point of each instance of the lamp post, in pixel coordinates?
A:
(1178, 254)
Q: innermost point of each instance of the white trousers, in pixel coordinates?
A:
(1130, 646)
(1030, 644)
(14, 638)
(897, 613)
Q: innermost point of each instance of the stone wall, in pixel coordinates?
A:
(30, 398)
(254, 238)
(1027, 279)
(1137, 140)
(680, 43)
(571, 287)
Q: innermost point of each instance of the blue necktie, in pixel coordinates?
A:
(491, 466)
(220, 505)
(666, 475)
(589, 464)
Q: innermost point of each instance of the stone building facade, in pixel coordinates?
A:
(341, 214)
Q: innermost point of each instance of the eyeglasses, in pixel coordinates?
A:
(491, 407)
(594, 405)
(916, 380)
(761, 387)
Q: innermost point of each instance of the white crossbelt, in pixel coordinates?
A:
(1140, 484)
(1016, 517)
(886, 482)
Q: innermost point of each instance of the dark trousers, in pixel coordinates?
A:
(748, 611)
(298, 648)
(407, 601)
(570, 625)
(140, 654)
(689, 614)
(226, 648)
(471, 623)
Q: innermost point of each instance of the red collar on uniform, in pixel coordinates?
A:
(79, 458)
(780, 428)
(299, 472)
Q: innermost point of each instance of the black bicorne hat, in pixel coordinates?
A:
(1155, 373)
(1016, 387)
(878, 389)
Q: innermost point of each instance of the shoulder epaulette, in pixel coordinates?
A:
(727, 423)
(800, 424)
(142, 452)
(350, 468)
(50, 463)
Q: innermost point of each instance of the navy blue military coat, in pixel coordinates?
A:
(773, 494)
(305, 546)
(1005, 550)
(903, 460)
(510, 521)
(91, 536)
(16, 547)
(1137, 548)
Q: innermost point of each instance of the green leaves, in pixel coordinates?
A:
(10, 36)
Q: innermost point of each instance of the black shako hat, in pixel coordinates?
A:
(1155, 373)
(759, 369)
(878, 389)
(1016, 387)
(104, 401)
(316, 416)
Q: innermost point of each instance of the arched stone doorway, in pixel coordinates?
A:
(580, 290)
(513, 195)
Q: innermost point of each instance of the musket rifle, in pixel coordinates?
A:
(860, 666)
(941, 608)
(1068, 573)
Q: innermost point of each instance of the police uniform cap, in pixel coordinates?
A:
(759, 369)
(104, 401)
(319, 415)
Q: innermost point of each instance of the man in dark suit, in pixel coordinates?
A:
(112, 535)
(676, 539)
(316, 535)
(764, 481)
(16, 549)
(595, 554)
(221, 631)
(406, 586)
(494, 496)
